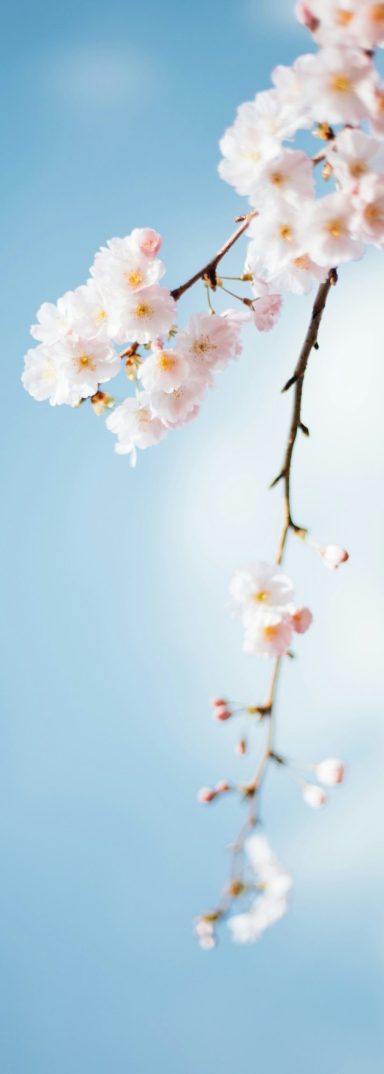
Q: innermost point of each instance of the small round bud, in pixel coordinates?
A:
(206, 794)
(333, 556)
(222, 787)
(301, 620)
(314, 796)
(221, 712)
(217, 702)
(331, 771)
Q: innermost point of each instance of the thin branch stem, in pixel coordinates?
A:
(252, 791)
(208, 271)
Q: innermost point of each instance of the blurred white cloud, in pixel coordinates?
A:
(98, 76)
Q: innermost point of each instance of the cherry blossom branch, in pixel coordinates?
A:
(208, 271)
(297, 380)
(251, 791)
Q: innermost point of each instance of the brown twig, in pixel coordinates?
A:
(208, 271)
(252, 790)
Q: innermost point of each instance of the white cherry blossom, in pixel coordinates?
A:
(209, 341)
(331, 235)
(145, 316)
(163, 371)
(135, 426)
(122, 269)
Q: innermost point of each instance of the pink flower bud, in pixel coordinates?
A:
(330, 771)
(241, 747)
(313, 796)
(305, 16)
(332, 555)
(217, 702)
(301, 620)
(222, 787)
(206, 794)
(148, 241)
(221, 712)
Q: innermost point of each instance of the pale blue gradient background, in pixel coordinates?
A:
(115, 630)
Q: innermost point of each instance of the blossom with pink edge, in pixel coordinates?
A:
(330, 772)
(145, 316)
(163, 371)
(301, 619)
(147, 240)
(268, 633)
(209, 342)
(332, 555)
(135, 426)
(177, 407)
(121, 269)
(331, 238)
(314, 796)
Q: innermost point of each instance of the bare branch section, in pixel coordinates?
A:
(208, 272)
(267, 711)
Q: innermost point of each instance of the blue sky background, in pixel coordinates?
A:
(115, 630)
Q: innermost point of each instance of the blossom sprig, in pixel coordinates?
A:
(300, 227)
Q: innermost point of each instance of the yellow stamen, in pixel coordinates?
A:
(85, 361)
(270, 632)
(377, 13)
(202, 345)
(143, 309)
(134, 278)
(335, 228)
(357, 168)
(302, 262)
(340, 83)
(166, 361)
(261, 596)
(373, 214)
(277, 178)
(343, 18)
(101, 315)
(285, 232)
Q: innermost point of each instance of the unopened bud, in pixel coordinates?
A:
(221, 712)
(101, 401)
(241, 747)
(330, 771)
(301, 620)
(314, 796)
(222, 787)
(333, 556)
(206, 794)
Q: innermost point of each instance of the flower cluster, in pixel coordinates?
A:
(264, 598)
(298, 237)
(265, 886)
(123, 303)
(298, 233)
